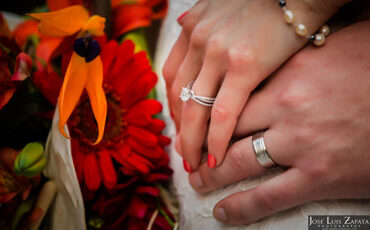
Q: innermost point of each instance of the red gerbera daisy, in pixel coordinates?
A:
(132, 205)
(132, 142)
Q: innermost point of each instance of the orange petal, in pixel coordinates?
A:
(62, 22)
(130, 17)
(72, 88)
(94, 87)
(25, 29)
(95, 25)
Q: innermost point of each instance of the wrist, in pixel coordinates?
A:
(314, 13)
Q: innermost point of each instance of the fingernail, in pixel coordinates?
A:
(211, 161)
(187, 166)
(182, 16)
(220, 214)
(196, 180)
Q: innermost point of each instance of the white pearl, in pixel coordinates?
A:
(288, 16)
(301, 30)
(325, 30)
(319, 39)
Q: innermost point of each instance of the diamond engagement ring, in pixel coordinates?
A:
(259, 147)
(187, 93)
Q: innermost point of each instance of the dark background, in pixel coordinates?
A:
(20, 6)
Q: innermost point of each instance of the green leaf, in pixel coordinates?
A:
(23, 208)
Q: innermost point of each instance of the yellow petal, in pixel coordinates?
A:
(62, 22)
(95, 25)
(72, 88)
(94, 87)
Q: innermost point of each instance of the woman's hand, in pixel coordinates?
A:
(228, 48)
(316, 113)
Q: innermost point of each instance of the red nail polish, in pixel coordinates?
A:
(187, 166)
(182, 16)
(211, 161)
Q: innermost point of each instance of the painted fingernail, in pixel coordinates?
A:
(187, 166)
(182, 16)
(220, 214)
(211, 161)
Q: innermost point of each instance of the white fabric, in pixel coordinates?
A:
(196, 209)
(67, 210)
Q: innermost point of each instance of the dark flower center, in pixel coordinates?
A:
(84, 127)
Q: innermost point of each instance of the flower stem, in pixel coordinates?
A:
(164, 214)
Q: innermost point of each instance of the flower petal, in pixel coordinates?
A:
(164, 141)
(143, 136)
(48, 83)
(108, 56)
(149, 190)
(62, 22)
(107, 169)
(78, 159)
(149, 152)
(157, 125)
(4, 28)
(141, 113)
(95, 25)
(129, 17)
(6, 96)
(98, 101)
(72, 88)
(46, 48)
(138, 208)
(92, 172)
(24, 30)
(144, 83)
(23, 66)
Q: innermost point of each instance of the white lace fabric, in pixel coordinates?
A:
(196, 209)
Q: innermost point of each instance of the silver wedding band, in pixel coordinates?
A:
(187, 93)
(260, 150)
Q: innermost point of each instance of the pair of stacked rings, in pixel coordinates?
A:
(187, 93)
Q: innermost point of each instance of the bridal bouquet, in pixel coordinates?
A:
(102, 88)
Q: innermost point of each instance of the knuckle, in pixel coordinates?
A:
(199, 36)
(265, 201)
(219, 113)
(239, 58)
(189, 23)
(293, 98)
(321, 169)
(168, 72)
(215, 46)
(304, 135)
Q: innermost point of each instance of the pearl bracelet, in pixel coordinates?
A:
(318, 39)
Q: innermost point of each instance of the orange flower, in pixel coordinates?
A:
(127, 14)
(85, 69)
(133, 14)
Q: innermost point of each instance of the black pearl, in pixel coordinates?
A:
(312, 38)
(282, 3)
